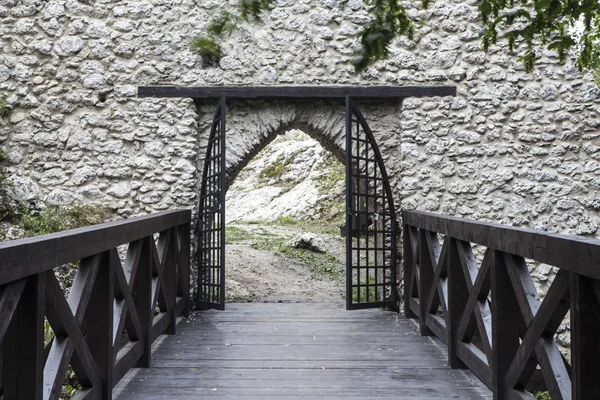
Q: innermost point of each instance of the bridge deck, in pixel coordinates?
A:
(292, 351)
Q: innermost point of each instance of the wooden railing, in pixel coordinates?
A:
(491, 317)
(113, 313)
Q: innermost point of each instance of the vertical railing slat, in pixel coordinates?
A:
(409, 261)
(184, 266)
(585, 339)
(458, 295)
(425, 281)
(99, 324)
(143, 298)
(23, 380)
(169, 275)
(505, 330)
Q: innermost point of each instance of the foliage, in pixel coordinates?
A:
(55, 218)
(389, 21)
(4, 107)
(71, 385)
(3, 172)
(207, 47)
(545, 23)
(5, 209)
(535, 23)
(48, 333)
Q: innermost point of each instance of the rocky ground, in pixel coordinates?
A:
(263, 266)
(292, 189)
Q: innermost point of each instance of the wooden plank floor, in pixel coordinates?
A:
(293, 351)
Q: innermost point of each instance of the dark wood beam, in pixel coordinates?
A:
(573, 253)
(24, 257)
(296, 92)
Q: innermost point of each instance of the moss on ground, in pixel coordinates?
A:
(331, 227)
(319, 263)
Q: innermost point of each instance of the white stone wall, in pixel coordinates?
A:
(512, 147)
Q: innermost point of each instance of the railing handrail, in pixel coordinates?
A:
(569, 252)
(25, 257)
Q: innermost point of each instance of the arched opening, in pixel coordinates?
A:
(284, 210)
(238, 132)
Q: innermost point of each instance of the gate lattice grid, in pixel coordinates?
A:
(370, 218)
(211, 221)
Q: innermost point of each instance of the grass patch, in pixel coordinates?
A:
(325, 227)
(285, 220)
(319, 263)
(233, 234)
(236, 235)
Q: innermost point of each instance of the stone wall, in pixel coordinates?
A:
(511, 147)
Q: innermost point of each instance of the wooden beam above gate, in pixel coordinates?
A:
(296, 92)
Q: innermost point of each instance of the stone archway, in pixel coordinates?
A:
(253, 125)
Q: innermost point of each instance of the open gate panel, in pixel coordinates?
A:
(370, 219)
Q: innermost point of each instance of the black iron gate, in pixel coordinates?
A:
(211, 218)
(370, 219)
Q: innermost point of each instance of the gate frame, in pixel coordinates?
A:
(353, 111)
(340, 93)
(217, 239)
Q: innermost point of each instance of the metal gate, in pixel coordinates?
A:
(370, 219)
(211, 218)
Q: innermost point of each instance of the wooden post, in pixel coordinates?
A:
(458, 295)
(99, 324)
(505, 327)
(24, 345)
(184, 267)
(425, 282)
(169, 277)
(409, 262)
(142, 298)
(585, 340)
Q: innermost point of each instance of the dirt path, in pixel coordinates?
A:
(262, 268)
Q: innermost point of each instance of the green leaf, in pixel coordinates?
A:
(207, 47)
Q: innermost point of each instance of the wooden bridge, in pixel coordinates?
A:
(468, 330)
